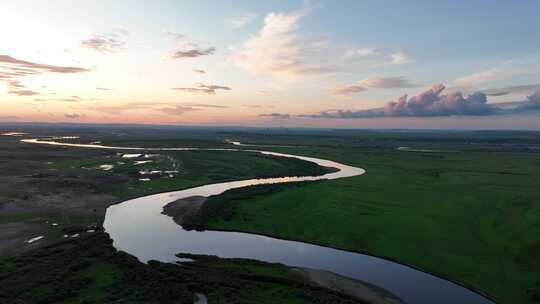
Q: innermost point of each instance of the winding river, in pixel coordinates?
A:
(138, 227)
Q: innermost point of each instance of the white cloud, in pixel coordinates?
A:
(399, 58)
(487, 76)
(240, 21)
(361, 53)
(280, 50)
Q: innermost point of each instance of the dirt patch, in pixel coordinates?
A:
(183, 208)
(355, 288)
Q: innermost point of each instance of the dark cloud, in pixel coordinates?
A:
(106, 43)
(378, 112)
(276, 115)
(192, 53)
(199, 71)
(433, 103)
(347, 90)
(532, 103)
(72, 115)
(388, 82)
(204, 89)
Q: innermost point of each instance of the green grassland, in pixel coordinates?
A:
(472, 216)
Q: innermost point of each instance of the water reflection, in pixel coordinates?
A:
(138, 227)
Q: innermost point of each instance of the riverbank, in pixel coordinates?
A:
(187, 210)
(90, 270)
(409, 211)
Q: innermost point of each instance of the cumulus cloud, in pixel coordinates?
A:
(279, 50)
(193, 53)
(203, 88)
(430, 103)
(347, 90)
(240, 21)
(433, 103)
(106, 43)
(12, 69)
(387, 82)
(276, 115)
(532, 103)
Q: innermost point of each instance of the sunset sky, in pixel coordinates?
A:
(272, 63)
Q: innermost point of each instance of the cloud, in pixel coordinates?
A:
(240, 21)
(193, 53)
(398, 58)
(106, 43)
(532, 103)
(177, 110)
(188, 48)
(72, 115)
(204, 89)
(387, 82)
(433, 103)
(175, 35)
(204, 105)
(12, 69)
(279, 50)
(276, 115)
(199, 71)
(502, 71)
(518, 89)
(103, 89)
(347, 90)
(23, 92)
(73, 98)
(361, 53)
(430, 103)
(18, 67)
(156, 107)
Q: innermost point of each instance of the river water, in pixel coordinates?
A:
(138, 227)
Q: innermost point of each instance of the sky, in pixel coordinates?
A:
(340, 64)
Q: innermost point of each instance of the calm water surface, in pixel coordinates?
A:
(138, 227)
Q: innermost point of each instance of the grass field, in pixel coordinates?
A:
(472, 216)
